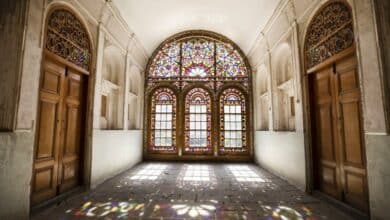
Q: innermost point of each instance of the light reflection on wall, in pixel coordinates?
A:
(197, 173)
(150, 172)
(243, 173)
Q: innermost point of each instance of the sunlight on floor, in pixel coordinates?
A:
(195, 210)
(150, 172)
(243, 173)
(197, 173)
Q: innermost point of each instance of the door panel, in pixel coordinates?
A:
(46, 137)
(337, 128)
(326, 148)
(70, 159)
(349, 115)
(45, 170)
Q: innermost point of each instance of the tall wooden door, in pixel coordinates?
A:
(57, 156)
(337, 132)
(71, 130)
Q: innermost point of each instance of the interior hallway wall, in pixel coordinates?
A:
(281, 150)
(274, 147)
(17, 145)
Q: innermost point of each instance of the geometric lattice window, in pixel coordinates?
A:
(163, 120)
(330, 32)
(197, 120)
(233, 121)
(67, 38)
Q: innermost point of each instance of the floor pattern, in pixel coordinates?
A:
(194, 191)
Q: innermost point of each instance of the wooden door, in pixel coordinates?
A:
(325, 141)
(58, 151)
(71, 130)
(45, 170)
(340, 167)
(352, 153)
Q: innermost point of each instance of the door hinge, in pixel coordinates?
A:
(334, 68)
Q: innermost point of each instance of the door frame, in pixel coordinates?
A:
(86, 154)
(306, 74)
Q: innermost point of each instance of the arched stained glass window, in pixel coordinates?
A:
(197, 121)
(233, 126)
(229, 62)
(166, 62)
(203, 70)
(197, 58)
(163, 114)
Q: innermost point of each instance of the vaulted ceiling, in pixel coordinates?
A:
(155, 20)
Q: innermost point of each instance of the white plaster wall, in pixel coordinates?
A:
(113, 153)
(378, 165)
(282, 153)
(15, 174)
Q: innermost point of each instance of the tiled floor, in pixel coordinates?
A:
(200, 191)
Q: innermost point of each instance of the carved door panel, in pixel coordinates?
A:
(45, 170)
(71, 138)
(337, 131)
(325, 133)
(352, 153)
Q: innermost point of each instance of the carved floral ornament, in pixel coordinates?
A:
(68, 38)
(330, 32)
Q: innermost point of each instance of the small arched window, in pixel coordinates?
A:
(163, 115)
(197, 121)
(233, 124)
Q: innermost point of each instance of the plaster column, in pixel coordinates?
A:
(98, 77)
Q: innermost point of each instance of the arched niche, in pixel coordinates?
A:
(262, 98)
(283, 87)
(134, 98)
(112, 88)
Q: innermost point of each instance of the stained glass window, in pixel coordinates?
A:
(166, 62)
(197, 58)
(163, 120)
(197, 120)
(232, 120)
(229, 61)
(208, 77)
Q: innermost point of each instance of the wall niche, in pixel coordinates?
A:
(283, 87)
(111, 114)
(262, 99)
(134, 99)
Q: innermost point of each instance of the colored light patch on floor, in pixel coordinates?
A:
(110, 208)
(243, 173)
(169, 196)
(197, 173)
(150, 172)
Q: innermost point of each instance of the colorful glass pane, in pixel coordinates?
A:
(197, 58)
(167, 62)
(233, 121)
(197, 121)
(163, 112)
(229, 61)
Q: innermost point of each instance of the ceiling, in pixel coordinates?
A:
(155, 20)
